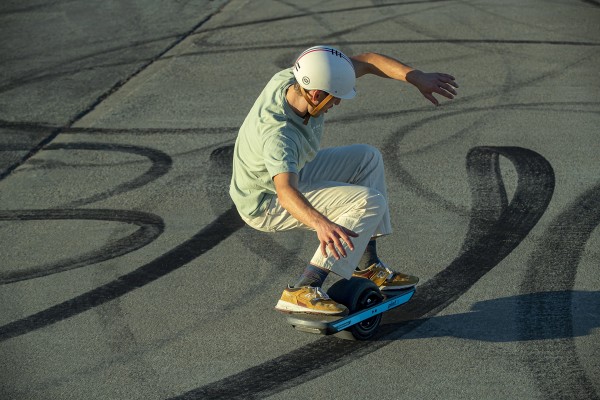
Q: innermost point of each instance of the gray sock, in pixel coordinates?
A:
(369, 257)
(312, 276)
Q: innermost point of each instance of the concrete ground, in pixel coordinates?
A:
(127, 274)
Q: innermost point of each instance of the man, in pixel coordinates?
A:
(282, 180)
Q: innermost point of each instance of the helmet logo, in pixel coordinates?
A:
(305, 80)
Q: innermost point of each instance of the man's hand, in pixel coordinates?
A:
(331, 236)
(433, 82)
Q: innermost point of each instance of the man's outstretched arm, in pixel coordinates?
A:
(386, 67)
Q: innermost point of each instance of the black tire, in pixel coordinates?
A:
(358, 294)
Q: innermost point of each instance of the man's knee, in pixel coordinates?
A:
(376, 201)
(369, 152)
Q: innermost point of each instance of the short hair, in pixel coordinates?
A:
(297, 88)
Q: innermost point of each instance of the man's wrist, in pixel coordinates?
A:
(413, 76)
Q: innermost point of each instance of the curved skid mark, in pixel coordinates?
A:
(313, 14)
(203, 241)
(322, 21)
(70, 67)
(356, 28)
(114, 88)
(487, 246)
(512, 106)
(464, 131)
(552, 268)
(43, 127)
(496, 228)
(161, 164)
(151, 226)
(391, 148)
(304, 44)
(414, 26)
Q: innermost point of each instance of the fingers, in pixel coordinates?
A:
(448, 79)
(446, 91)
(324, 249)
(442, 84)
(432, 99)
(336, 248)
(446, 85)
(448, 88)
(335, 244)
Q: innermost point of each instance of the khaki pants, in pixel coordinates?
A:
(347, 185)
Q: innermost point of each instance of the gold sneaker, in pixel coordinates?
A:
(308, 299)
(387, 279)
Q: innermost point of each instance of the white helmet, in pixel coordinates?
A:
(328, 69)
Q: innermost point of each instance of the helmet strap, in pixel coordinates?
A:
(316, 108)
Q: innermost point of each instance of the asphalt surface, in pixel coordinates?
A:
(127, 274)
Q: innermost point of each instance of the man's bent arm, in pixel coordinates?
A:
(290, 198)
(328, 232)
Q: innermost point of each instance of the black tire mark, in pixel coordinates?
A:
(552, 268)
(35, 7)
(413, 26)
(322, 21)
(115, 87)
(161, 164)
(592, 2)
(496, 229)
(319, 12)
(44, 127)
(510, 107)
(70, 67)
(304, 44)
(151, 226)
(207, 238)
(391, 148)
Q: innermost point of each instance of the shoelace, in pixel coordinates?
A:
(391, 273)
(318, 294)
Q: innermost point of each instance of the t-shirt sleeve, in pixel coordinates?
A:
(280, 154)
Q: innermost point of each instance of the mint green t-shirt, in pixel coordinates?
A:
(272, 140)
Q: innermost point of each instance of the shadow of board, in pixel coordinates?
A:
(568, 314)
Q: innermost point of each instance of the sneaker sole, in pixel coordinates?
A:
(290, 308)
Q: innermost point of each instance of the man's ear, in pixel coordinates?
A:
(315, 96)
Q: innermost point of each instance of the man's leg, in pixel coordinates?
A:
(360, 165)
(355, 207)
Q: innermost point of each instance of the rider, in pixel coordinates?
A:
(283, 180)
